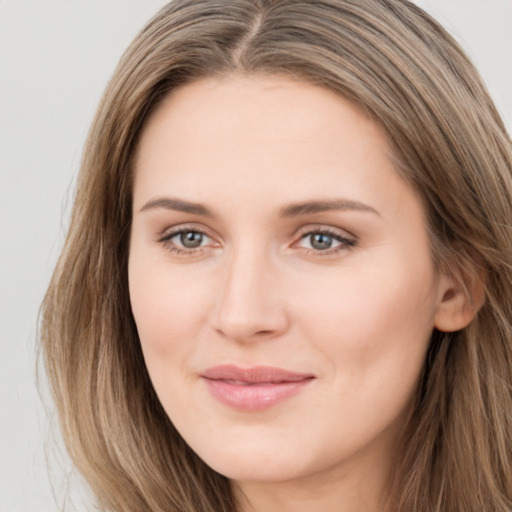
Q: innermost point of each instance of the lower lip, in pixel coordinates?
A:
(254, 397)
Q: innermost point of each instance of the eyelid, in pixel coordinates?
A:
(165, 236)
(170, 231)
(347, 240)
(324, 228)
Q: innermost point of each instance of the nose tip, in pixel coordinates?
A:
(251, 305)
(244, 331)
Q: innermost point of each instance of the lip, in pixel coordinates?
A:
(253, 389)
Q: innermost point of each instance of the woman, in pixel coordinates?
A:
(287, 282)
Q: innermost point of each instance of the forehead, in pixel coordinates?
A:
(273, 106)
(240, 136)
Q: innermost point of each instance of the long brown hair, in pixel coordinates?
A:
(405, 71)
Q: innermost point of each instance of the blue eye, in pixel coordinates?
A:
(185, 240)
(325, 241)
(321, 241)
(190, 239)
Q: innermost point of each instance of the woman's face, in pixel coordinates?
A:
(280, 279)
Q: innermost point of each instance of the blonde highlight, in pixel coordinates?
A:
(411, 77)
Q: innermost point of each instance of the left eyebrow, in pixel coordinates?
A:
(310, 207)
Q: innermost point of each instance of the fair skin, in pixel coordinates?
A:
(228, 267)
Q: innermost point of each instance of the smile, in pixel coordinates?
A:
(253, 389)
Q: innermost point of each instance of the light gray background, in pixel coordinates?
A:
(55, 59)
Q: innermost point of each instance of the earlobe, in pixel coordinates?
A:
(461, 299)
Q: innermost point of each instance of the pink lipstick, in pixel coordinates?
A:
(253, 389)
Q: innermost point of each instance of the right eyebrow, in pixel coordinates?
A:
(179, 205)
(319, 206)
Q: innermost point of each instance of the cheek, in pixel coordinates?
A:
(371, 322)
(170, 308)
(372, 329)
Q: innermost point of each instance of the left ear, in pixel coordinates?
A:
(461, 297)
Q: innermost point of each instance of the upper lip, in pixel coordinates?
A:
(254, 375)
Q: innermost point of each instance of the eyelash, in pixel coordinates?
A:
(166, 238)
(345, 243)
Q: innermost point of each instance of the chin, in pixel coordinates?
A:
(264, 470)
(270, 461)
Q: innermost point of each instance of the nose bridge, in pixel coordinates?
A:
(250, 304)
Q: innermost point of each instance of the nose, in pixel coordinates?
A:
(251, 302)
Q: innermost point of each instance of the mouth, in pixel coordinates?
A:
(253, 389)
